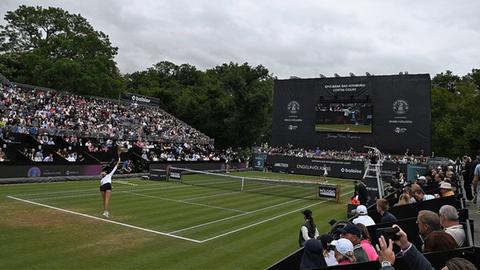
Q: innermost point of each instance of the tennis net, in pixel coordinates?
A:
(283, 188)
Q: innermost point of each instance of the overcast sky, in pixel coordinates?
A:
(301, 38)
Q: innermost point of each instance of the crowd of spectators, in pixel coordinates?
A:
(439, 231)
(56, 112)
(350, 154)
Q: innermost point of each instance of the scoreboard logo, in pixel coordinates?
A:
(293, 107)
(400, 106)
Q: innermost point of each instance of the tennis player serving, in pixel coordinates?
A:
(106, 188)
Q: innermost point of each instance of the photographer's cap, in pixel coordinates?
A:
(352, 229)
(342, 245)
(307, 212)
(362, 210)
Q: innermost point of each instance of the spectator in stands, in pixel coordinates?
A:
(2, 156)
(328, 250)
(50, 141)
(72, 157)
(428, 222)
(467, 182)
(382, 209)
(410, 192)
(366, 243)
(30, 153)
(459, 264)
(344, 251)
(403, 199)
(312, 257)
(38, 156)
(446, 189)
(412, 257)
(308, 229)
(352, 233)
(420, 195)
(363, 216)
(126, 166)
(361, 191)
(439, 241)
(449, 221)
(48, 158)
(476, 186)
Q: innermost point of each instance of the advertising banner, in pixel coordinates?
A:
(416, 170)
(259, 161)
(136, 98)
(174, 174)
(22, 171)
(329, 191)
(347, 169)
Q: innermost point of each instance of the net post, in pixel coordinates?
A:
(167, 178)
(338, 193)
(243, 184)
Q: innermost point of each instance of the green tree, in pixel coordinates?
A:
(455, 114)
(231, 102)
(53, 48)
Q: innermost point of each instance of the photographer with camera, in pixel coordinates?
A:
(412, 257)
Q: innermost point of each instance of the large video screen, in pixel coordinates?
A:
(343, 117)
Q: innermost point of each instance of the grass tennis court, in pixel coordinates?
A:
(344, 128)
(153, 225)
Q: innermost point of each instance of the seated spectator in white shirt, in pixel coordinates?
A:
(363, 216)
(2, 156)
(38, 156)
(50, 141)
(449, 220)
(420, 195)
(71, 157)
(48, 158)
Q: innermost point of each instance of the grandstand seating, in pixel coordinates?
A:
(407, 220)
(37, 122)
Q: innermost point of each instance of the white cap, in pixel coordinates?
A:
(342, 245)
(422, 178)
(362, 210)
(445, 185)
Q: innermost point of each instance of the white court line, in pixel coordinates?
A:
(235, 216)
(230, 192)
(66, 196)
(123, 183)
(70, 191)
(83, 192)
(180, 201)
(105, 220)
(266, 220)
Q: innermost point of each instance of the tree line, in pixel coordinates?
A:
(230, 102)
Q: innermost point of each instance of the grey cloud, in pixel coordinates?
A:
(302, 38)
